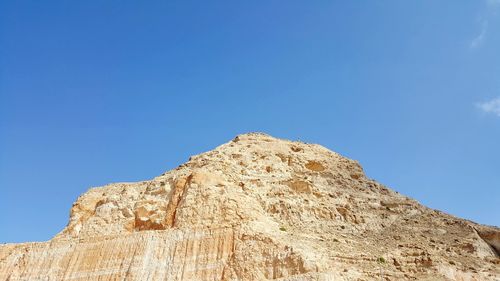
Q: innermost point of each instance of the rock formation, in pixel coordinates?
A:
(257, 208)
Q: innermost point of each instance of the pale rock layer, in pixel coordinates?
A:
(257, 208)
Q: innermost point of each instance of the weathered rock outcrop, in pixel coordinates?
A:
(257, 208)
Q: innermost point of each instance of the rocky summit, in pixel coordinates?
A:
(257, 208)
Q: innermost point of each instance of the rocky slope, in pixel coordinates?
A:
(257, 208)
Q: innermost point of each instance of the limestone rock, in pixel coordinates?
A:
(257, 208)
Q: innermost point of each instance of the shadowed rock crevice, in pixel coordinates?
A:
(177, 193)
(490, 237)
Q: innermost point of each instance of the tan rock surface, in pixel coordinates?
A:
(257, 208)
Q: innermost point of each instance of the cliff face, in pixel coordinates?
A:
(257, 208)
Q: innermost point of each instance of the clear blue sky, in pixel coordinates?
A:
(95, 92)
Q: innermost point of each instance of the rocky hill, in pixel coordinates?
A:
(257, 208)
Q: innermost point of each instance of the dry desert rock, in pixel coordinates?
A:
(257, 208)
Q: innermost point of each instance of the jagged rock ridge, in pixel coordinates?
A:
(257, 208)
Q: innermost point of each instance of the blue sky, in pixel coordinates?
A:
(95, 92)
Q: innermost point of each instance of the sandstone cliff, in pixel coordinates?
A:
(257, 208)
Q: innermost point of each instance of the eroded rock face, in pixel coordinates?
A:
(257, 208)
